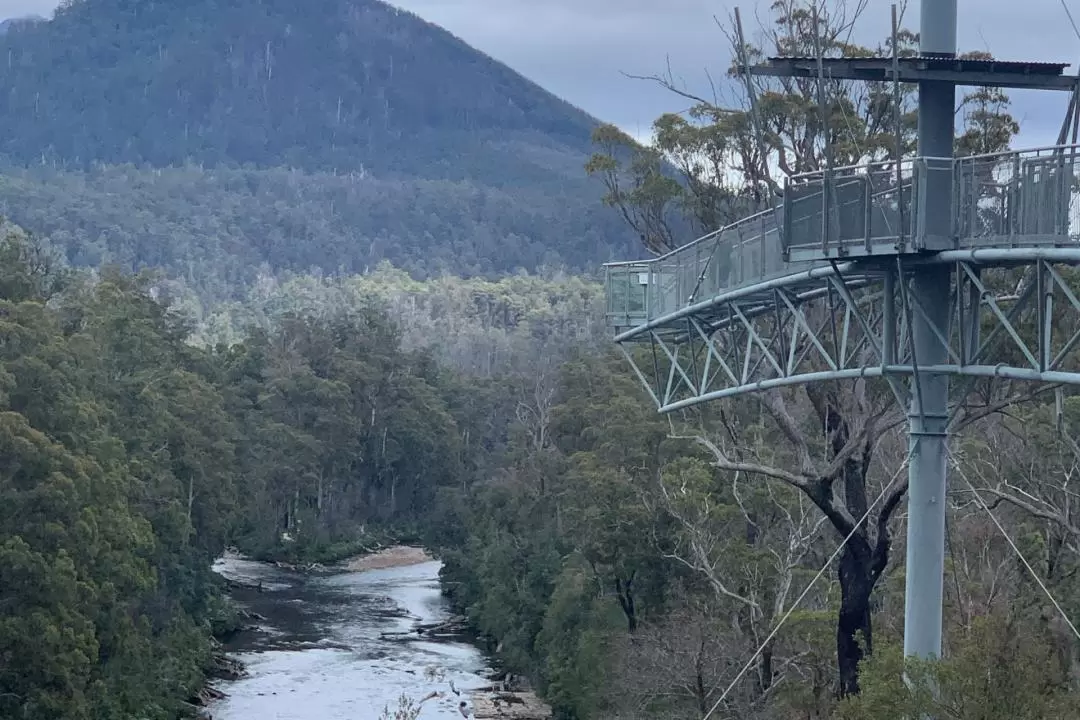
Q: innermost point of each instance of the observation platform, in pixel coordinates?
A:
(734, 311)
(1026, 198)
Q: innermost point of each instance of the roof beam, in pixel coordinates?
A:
(982, 73)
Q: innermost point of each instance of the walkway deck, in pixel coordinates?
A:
(1026, 198)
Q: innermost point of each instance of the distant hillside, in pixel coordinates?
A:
(465, 165)
(315, 84)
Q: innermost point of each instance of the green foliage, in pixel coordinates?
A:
(129, 458)
(97, 569)
(555, 559)
(574, 639)
(645, 200)
(1002, 668)
(341, 429)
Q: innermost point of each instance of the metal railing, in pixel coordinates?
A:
(739, 254)
(849, 207)
(626, 287)
(1010, 199)
(1020, 198)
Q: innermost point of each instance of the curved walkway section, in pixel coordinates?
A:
(818, 288)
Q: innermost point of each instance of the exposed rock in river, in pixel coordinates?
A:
(398, 556)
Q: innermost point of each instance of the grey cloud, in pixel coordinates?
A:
(579, 49)
(18, 8)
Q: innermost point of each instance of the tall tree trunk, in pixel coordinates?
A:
(190, 506)
(699, 681)
(854, 628)
(625, 593)
(861, 563)
(765, 667)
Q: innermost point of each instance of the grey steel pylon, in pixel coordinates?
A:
(929, 406)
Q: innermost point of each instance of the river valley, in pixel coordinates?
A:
(321, 652)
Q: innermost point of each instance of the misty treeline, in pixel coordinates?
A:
(215, 231)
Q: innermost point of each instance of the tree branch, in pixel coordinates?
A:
(773, 402)
(668, 84)
(1032, 509)
(973, 416)
(721, 460)
(880, 558)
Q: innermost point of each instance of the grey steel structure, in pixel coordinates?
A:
(878, 271)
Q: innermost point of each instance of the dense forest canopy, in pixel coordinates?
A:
(131, 457)
(216, 230)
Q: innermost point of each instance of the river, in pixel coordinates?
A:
(320, 654)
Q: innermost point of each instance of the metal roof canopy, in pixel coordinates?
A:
(983, 73)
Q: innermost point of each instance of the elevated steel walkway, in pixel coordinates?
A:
(734, 311)
(880, 271)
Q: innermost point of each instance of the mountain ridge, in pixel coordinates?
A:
(222, 136)
(324, 85)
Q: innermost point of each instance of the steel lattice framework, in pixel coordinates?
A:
(853, 320)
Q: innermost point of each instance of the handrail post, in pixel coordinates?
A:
(1018, 210)
(785, 237)
(826, 216)
(868, 209)
(761, 244)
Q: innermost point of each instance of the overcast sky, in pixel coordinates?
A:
(581, 49)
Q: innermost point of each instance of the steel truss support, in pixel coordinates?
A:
(850, 325)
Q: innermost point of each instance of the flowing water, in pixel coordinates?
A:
(321, 654)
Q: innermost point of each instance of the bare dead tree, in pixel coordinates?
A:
(775, 525)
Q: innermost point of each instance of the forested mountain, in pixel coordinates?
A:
(210, 138)
(338, 85)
